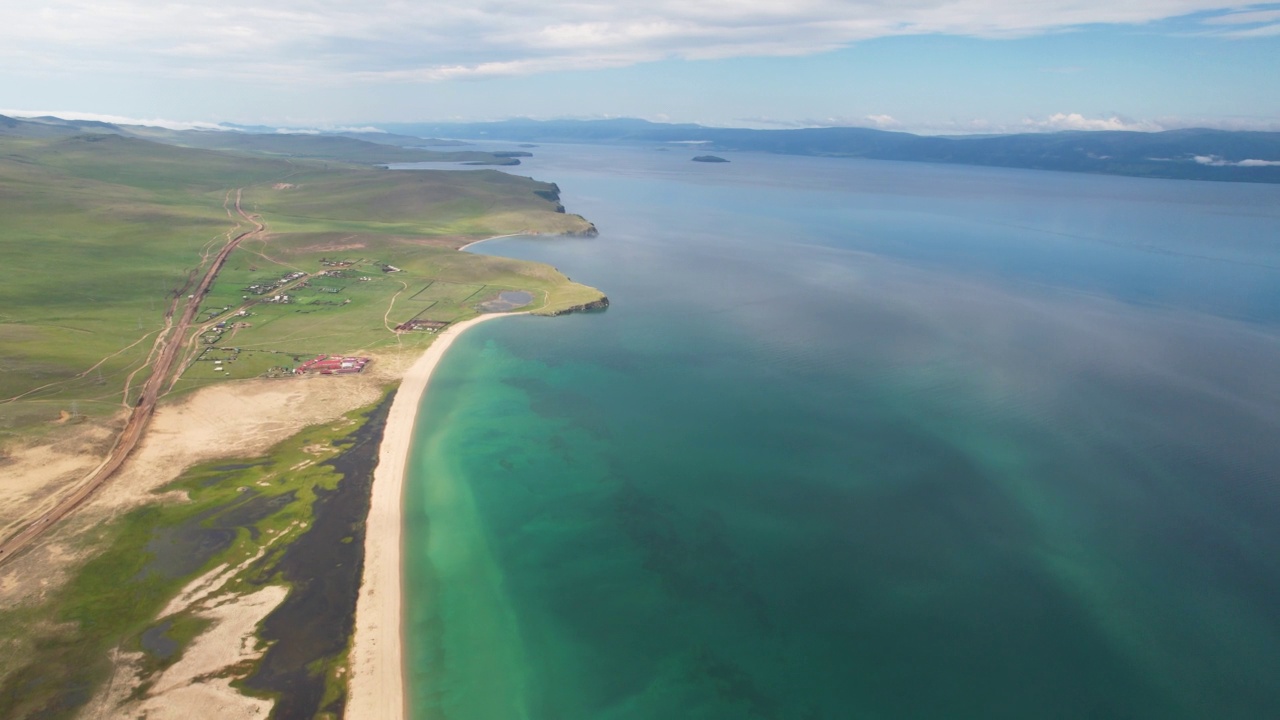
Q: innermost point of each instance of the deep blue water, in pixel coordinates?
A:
(862, 440)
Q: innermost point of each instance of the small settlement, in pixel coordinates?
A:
(332, 365)
(295, 287)
(416, 324)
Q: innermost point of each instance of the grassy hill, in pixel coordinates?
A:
(361, 148)
(320, 147)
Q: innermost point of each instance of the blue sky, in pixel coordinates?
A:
(934, 66)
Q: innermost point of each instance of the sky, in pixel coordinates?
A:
(929, 66)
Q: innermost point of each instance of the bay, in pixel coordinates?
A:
(861, 440)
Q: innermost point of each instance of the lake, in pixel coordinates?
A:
(861, 439)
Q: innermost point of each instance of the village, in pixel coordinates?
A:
(233, 362)
(217, 359)
(221, 355)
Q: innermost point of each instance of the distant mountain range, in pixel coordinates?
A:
(1191, 154)
(367, 148)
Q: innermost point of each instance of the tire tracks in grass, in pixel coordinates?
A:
(77, 376)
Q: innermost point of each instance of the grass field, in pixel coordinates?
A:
(99, 233)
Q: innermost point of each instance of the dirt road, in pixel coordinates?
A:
(169, 345)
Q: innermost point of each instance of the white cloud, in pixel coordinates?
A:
(883, 121)
(760, 121)
(1076, 121)
(115, 119)
(1244, 18)
(392, 40)
(1265, 22)
(322, 128)
(1216, 161)
(984, 126)
(1264, 31)
(1059, 122)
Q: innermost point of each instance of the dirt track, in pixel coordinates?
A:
(169, 344)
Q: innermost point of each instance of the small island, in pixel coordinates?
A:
(710, 159)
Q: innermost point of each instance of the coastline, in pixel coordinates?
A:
(485, 240)
(377, 688)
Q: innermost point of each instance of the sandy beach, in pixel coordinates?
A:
(377, 666)
(485, 240)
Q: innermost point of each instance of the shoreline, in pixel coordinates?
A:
(377, 685)
(495, 237)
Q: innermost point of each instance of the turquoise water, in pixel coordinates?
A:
(862, 440)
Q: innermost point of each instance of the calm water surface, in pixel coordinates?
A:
(862, 440)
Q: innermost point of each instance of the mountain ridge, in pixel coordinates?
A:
(1182, 154)
(1186, 154)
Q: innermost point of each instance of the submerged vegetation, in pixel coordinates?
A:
(254, 522)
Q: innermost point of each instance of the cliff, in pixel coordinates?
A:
(589, 231)
(600, 304)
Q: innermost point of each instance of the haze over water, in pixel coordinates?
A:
(861, 440)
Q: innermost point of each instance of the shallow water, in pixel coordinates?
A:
(861, 440)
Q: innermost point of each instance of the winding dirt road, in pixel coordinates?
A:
(168, 344)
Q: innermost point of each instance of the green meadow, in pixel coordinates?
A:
(99, 234)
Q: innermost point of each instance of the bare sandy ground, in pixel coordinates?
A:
(376, 689)
(235, 419)
(198, 685)
(34, 477)
(227, 420)
(240, 419)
